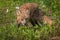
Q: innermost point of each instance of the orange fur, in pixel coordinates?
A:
(47, 20)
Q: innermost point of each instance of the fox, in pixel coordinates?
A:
(24, 13)
(30, 13)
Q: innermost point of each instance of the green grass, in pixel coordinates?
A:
(10, 31)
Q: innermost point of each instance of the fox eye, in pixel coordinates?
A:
(22, 19)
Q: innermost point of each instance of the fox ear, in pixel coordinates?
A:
(18, 12)
(28, 11)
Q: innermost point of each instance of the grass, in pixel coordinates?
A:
(10, 31)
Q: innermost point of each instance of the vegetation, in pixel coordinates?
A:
(10, 31)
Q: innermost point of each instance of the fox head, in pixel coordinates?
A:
(23, 16)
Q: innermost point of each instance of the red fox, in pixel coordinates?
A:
(30, 12)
